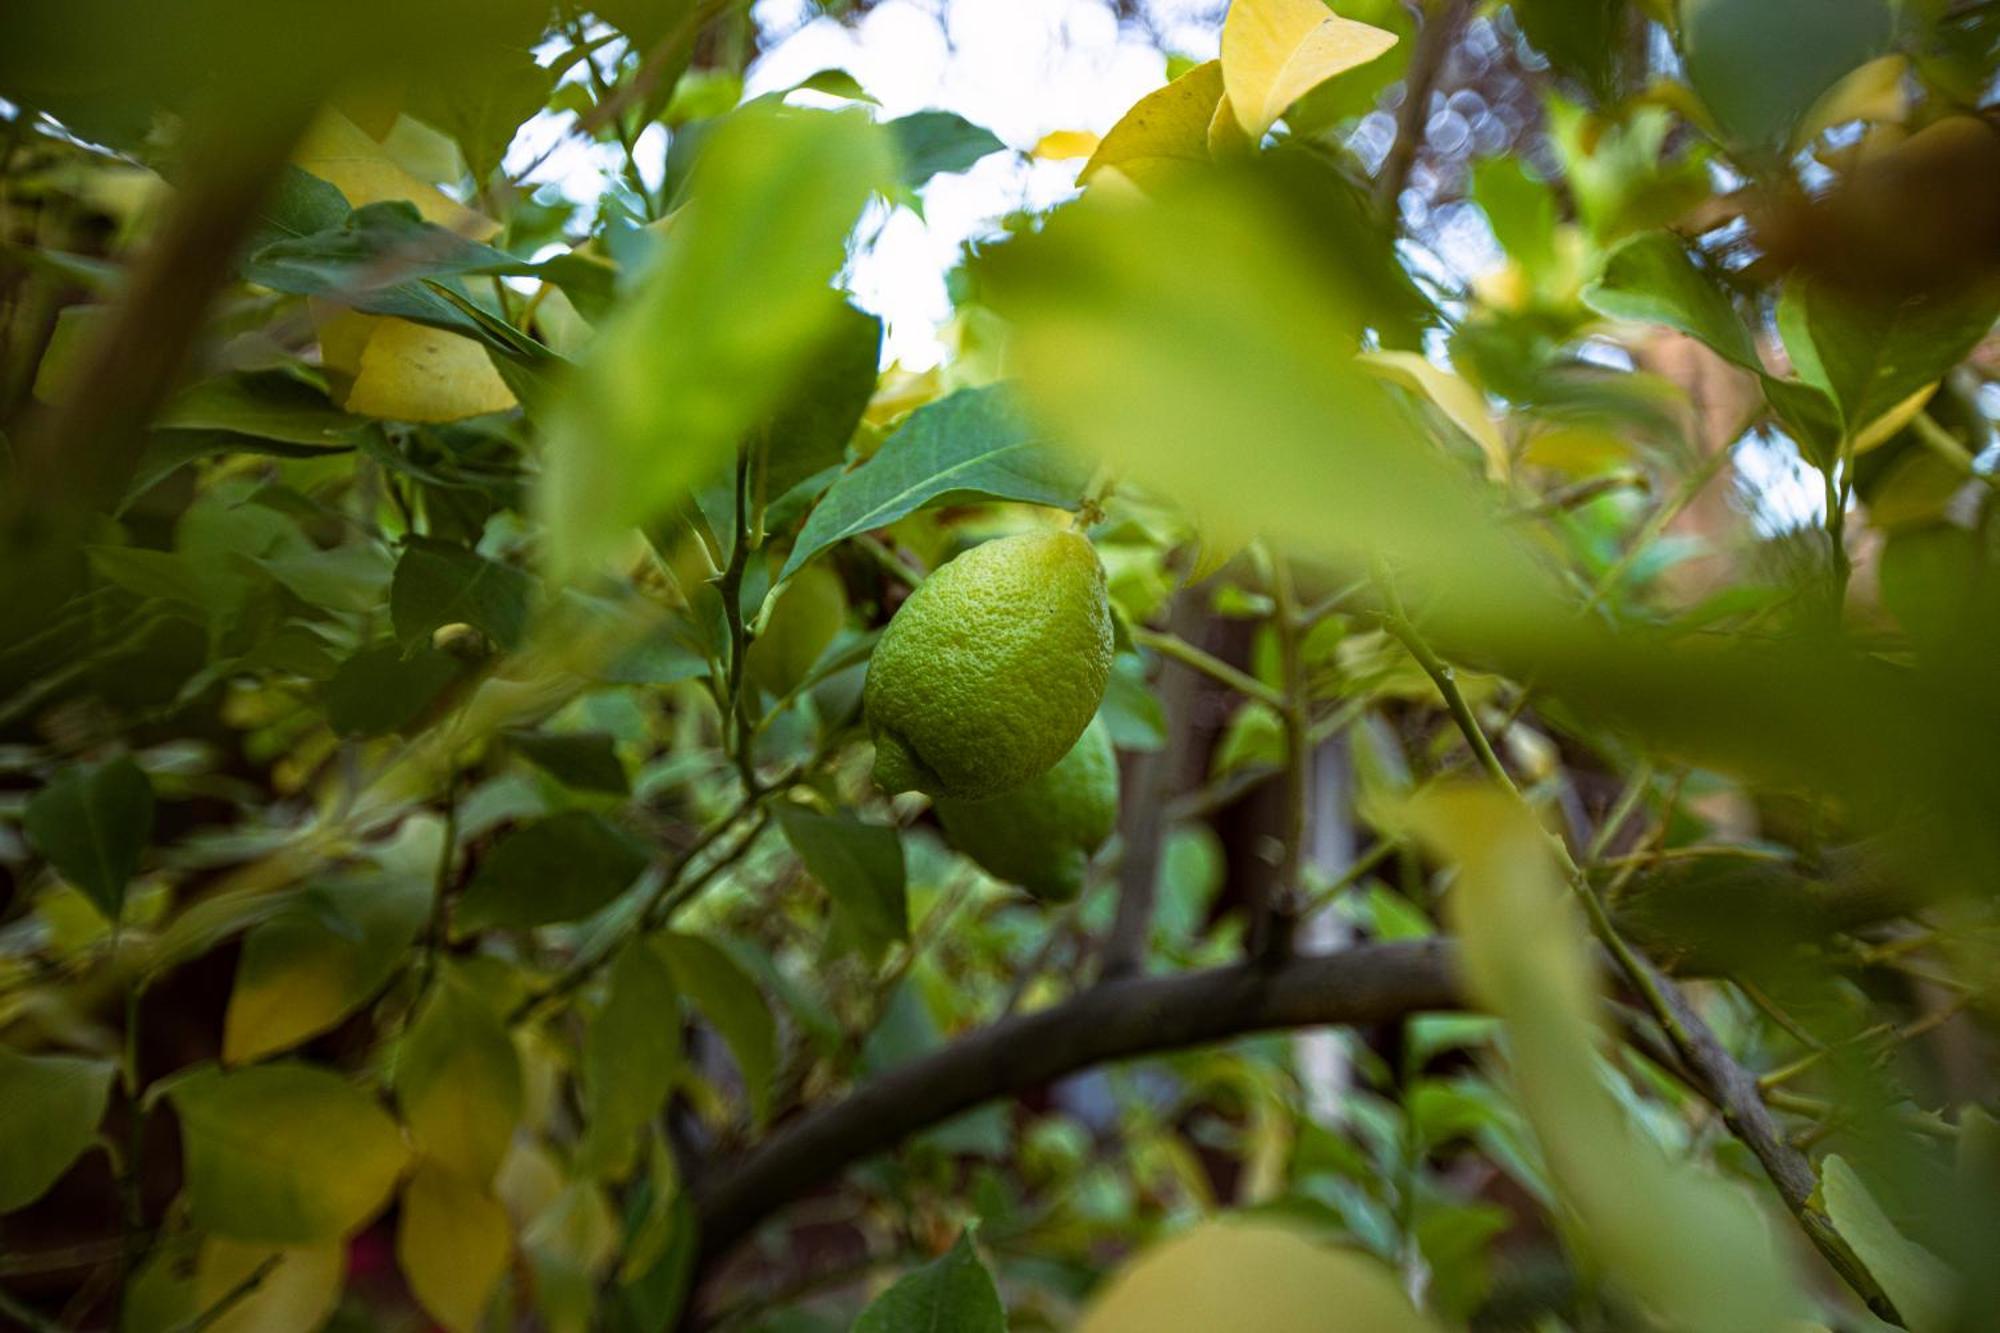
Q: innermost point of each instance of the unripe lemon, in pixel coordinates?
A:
(991, 670)
(1042, 834)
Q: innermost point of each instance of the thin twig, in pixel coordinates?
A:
(230, 1299)
(1170, 645)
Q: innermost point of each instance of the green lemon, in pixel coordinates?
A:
(1042, 834)
(991, 670)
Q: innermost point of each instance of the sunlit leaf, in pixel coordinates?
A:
(1066, 145)
(1276, 51)
(1164, 133)
(49, 1109)
(288, 1154)
(1464, 405)
(737, 302)
(411, 372)
(1243, 1273)
(977, 443)
(340, 153)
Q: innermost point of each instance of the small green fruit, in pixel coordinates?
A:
(1041, 835)
(991, 670)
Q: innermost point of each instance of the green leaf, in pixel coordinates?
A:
(1873, 358)
(644, 21)
(735, 307)
(1585, 39)
(381, 689)
(1759, 65)
(458, 1080)
(439, 584)
(861, 866)
(933, 142)
(1520, 209)
(1920, 1283)
(92, 822)
(487, 95)
(49, 1109)
(952, 1292)
(1652, 279)
(335, 946)
(978, 443)
(810, 431)
(835, 82)
(269, 406)
(727, 995)
(299, 204)
(630, 1055)
(286, 1153)
(561, 868)
(583, 760)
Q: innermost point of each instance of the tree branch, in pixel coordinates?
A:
(1113, 1021)
(1442, 19)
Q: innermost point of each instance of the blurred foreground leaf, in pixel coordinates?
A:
(738, 301)
(1694, 1251)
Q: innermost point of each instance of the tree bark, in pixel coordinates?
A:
(1114, 1021)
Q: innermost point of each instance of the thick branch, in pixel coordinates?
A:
(1114, 1021)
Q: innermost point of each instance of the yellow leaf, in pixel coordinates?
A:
(1165, 132)
(1580, 450)
(1226, 138)
(1465, 405)
(338, 152)
(1230, 1273)
(1276, 51)
(1874, 92)
(1062, 145)
(452, 1241)
(1885, 426)
(412, 372)
(299, 1291)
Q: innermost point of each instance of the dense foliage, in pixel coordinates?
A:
(1540, 457)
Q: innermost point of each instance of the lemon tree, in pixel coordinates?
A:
(1291, 665)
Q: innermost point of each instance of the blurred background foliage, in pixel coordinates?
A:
(1545, 470)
